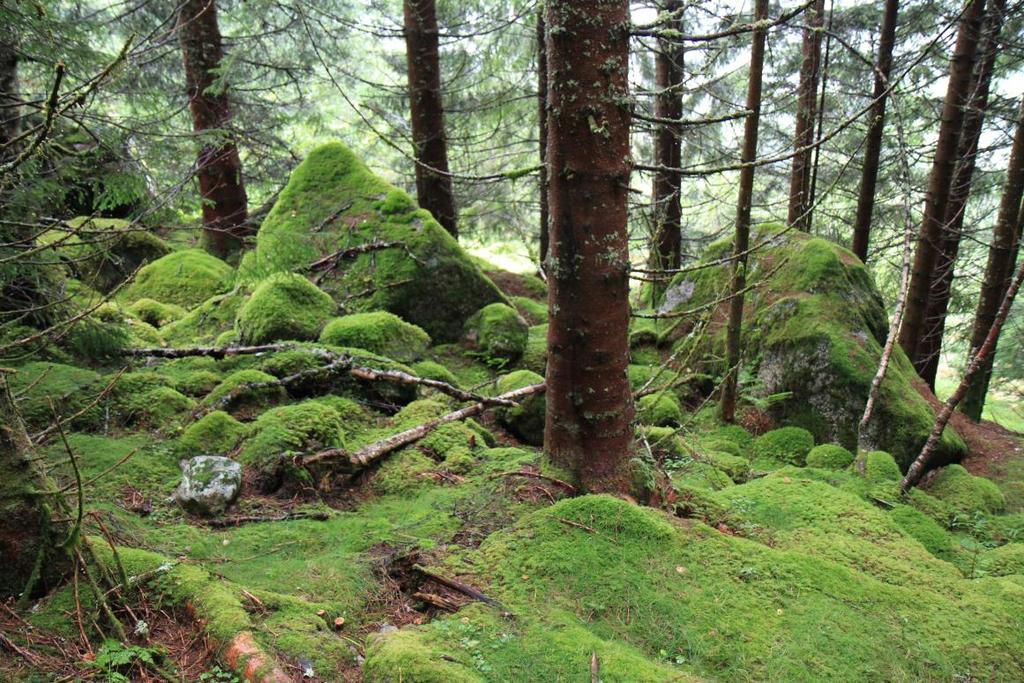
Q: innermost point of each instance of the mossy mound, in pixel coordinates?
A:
(232, 394)
(333, 202)
(104, 252)
(814, 327)
(207, 322)
(829, 456)
(1005, 560)
(660, 409)
(69, 389)
(701, 475)
(534, 312)
(160, 407)
(965, 492)
(498, 332)
(535, 357)
(216, 433)
(783, 446)
(925, 531)
(526, 420)
(184, 278)
(155, 313)
(378, 332)
(428, 369)
(284, 306)
(879, 466)
(284, 431)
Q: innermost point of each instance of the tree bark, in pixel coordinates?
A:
(940, 179)
(807, 103)
(930, 346)
(1002, 255)
(876, 128)
(978, 359)
(589, 419)
(668, 105)
(742, 240)
(10, 98)
(542, 129)
(218, 166)
(433, 182)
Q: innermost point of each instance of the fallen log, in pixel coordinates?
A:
(375, 451)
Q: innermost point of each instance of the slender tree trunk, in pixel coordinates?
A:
(433, 182)
(219, 167)
(589, 421)
(10, 97)
(930, 346)
(744, 200)
(1002, 255)
(980, 356)
(940, 179)
(873, 142)
(800, 199)
(542, 125)
(668, 146)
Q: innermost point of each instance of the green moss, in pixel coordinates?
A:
(379, 332)
(249, 400)
(428, 369)
(527, 419)
(403, 656)
(701, 475)
(535, 312)
(284, 431)
(198, 383)
(217, 433)
(160, 407)
(284, 306)
(403, 472)
(334, 202)
(924, 530)
(829, 456)
(661, 409)
(787, 445)
(879, 466)
(498, 332)
(964, 492)
(736, 467)
(70, 389)
(155, 313)
(1004, 560)
(207, 322)
(535, 357)
(184, 278)
(734, 433)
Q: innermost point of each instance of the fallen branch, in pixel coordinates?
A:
(249, 519)
(375, 451)
(331, 261)
(588, 529)
(537, 475)
(371, 374)
(216, 352)
(460, 587)
(438, 601)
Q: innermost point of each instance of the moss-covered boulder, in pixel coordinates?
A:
(285, 431)
(829, 456)
(70, 390)
(378, 332)
(814, 326)
(184, 278)
(783, 446)
(244, 393)
(965, 492)
(526, 420)
(155, 313)
(217, 433)
(498, 332)
(207, 323)
(661, 409)
(284, 306)
(104, 252)
(410, 265)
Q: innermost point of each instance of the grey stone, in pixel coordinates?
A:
(209, 485)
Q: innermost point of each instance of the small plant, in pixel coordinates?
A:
(114, 658)
(218, 675)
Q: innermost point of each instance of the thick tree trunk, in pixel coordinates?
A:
(542, 129)
(433, 182)
(979, 357)
(668, 105)
(940, 179)
(800, 199)
(10, 98)
(873, 142)
(742, 240)
(929, 348)
(1002, 255)
(589, 421)
(218, 166)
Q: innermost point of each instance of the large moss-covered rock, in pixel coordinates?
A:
(379, 332)
(814, 327)
(185, 278)
(333, 203)
(284, 306)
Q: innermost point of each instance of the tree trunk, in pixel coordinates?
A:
(589, 420)
(930, 346)
(218, 165)
(10, 98)
(807, 103)
(433, 182)
(873, 142)
(746, 194)
(667, 146)
(542, 129)
(1002, 255)
(980, 356)
(940, 179)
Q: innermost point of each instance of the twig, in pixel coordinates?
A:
(589, 530)
(249, 519)
(463, 588)
(536, 475)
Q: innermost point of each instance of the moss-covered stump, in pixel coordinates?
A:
(378, 332)
(499, 333)
(814, 326)
(104, 252)
(333, 203)
(285, 306)
(184, 278)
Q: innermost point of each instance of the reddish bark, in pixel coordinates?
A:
(589, 422)
(930, 346)
(218, 166)
(873, 141)
(1002, 254)
(542, 129)
(940, 179)
(800, 199)
(433, 182)
(668, 105)
(744, 200)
